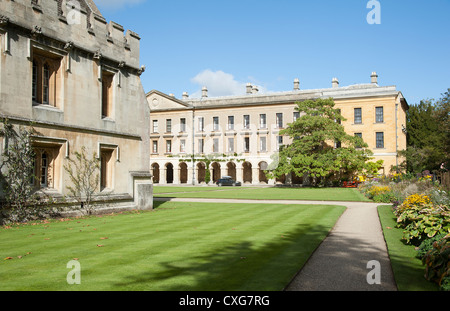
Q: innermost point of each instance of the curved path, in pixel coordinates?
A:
(353, 255)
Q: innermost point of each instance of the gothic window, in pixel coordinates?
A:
(46, 84)
(44, 170)
(44, 79)
(107, 94)
(35, 81)
(106, 169)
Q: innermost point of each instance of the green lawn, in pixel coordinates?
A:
(178, 246)
(408, 270)
(262, 193)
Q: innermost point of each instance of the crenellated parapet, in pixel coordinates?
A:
(76, 21)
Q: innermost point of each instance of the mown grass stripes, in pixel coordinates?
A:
(262, 193)
(179, 246)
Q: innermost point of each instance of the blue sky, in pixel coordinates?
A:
(224, 44)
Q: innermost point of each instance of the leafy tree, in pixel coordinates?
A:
(442, 117)
(314, 137)
(428, 135)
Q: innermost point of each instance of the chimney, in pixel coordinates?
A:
(255, 89)
(374, 78)
(185, 95)
(296, 84)
(204, 91)
(335, 83)
(249, 88)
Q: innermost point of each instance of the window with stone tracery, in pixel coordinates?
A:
(44, 83)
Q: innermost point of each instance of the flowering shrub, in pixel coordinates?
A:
(414, 201)
(380, 194)
(422, 208)
(421, 219)
(425, 178)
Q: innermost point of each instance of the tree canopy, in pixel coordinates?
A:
(320, 146)
(428, 135)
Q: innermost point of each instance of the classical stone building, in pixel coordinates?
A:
(76, 77)
(238, 135)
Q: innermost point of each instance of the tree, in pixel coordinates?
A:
(21, 200)
(320, 146)
(428, 135)
(85, 177)
(442, 117)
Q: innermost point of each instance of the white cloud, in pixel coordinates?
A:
(219, 83)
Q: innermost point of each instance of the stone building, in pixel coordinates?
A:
(238, 135)
(76, 77)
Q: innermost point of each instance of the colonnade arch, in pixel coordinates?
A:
(247, 172)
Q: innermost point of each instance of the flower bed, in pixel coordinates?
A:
(422, 208)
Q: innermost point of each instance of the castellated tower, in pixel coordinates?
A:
(76, 78)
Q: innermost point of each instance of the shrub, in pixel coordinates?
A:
(414, 201)
(437, 262)
(427, 245)
(439, 197)
(377, 191)
(421, 220)
(386, 197)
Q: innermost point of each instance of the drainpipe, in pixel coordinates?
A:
(396, 137)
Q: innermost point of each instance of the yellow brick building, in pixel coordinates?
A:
(238, 135)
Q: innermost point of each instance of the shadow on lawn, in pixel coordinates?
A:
(246, 265)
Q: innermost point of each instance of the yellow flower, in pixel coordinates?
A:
(415, 200)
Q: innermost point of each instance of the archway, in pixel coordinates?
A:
(231, 170)
(201, 172)
(169, 173)
(296, 180)
(183, 173)
(262, 172)
(155, 171)
(215, 171)
(247, 171)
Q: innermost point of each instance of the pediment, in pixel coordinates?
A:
(160, 101)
